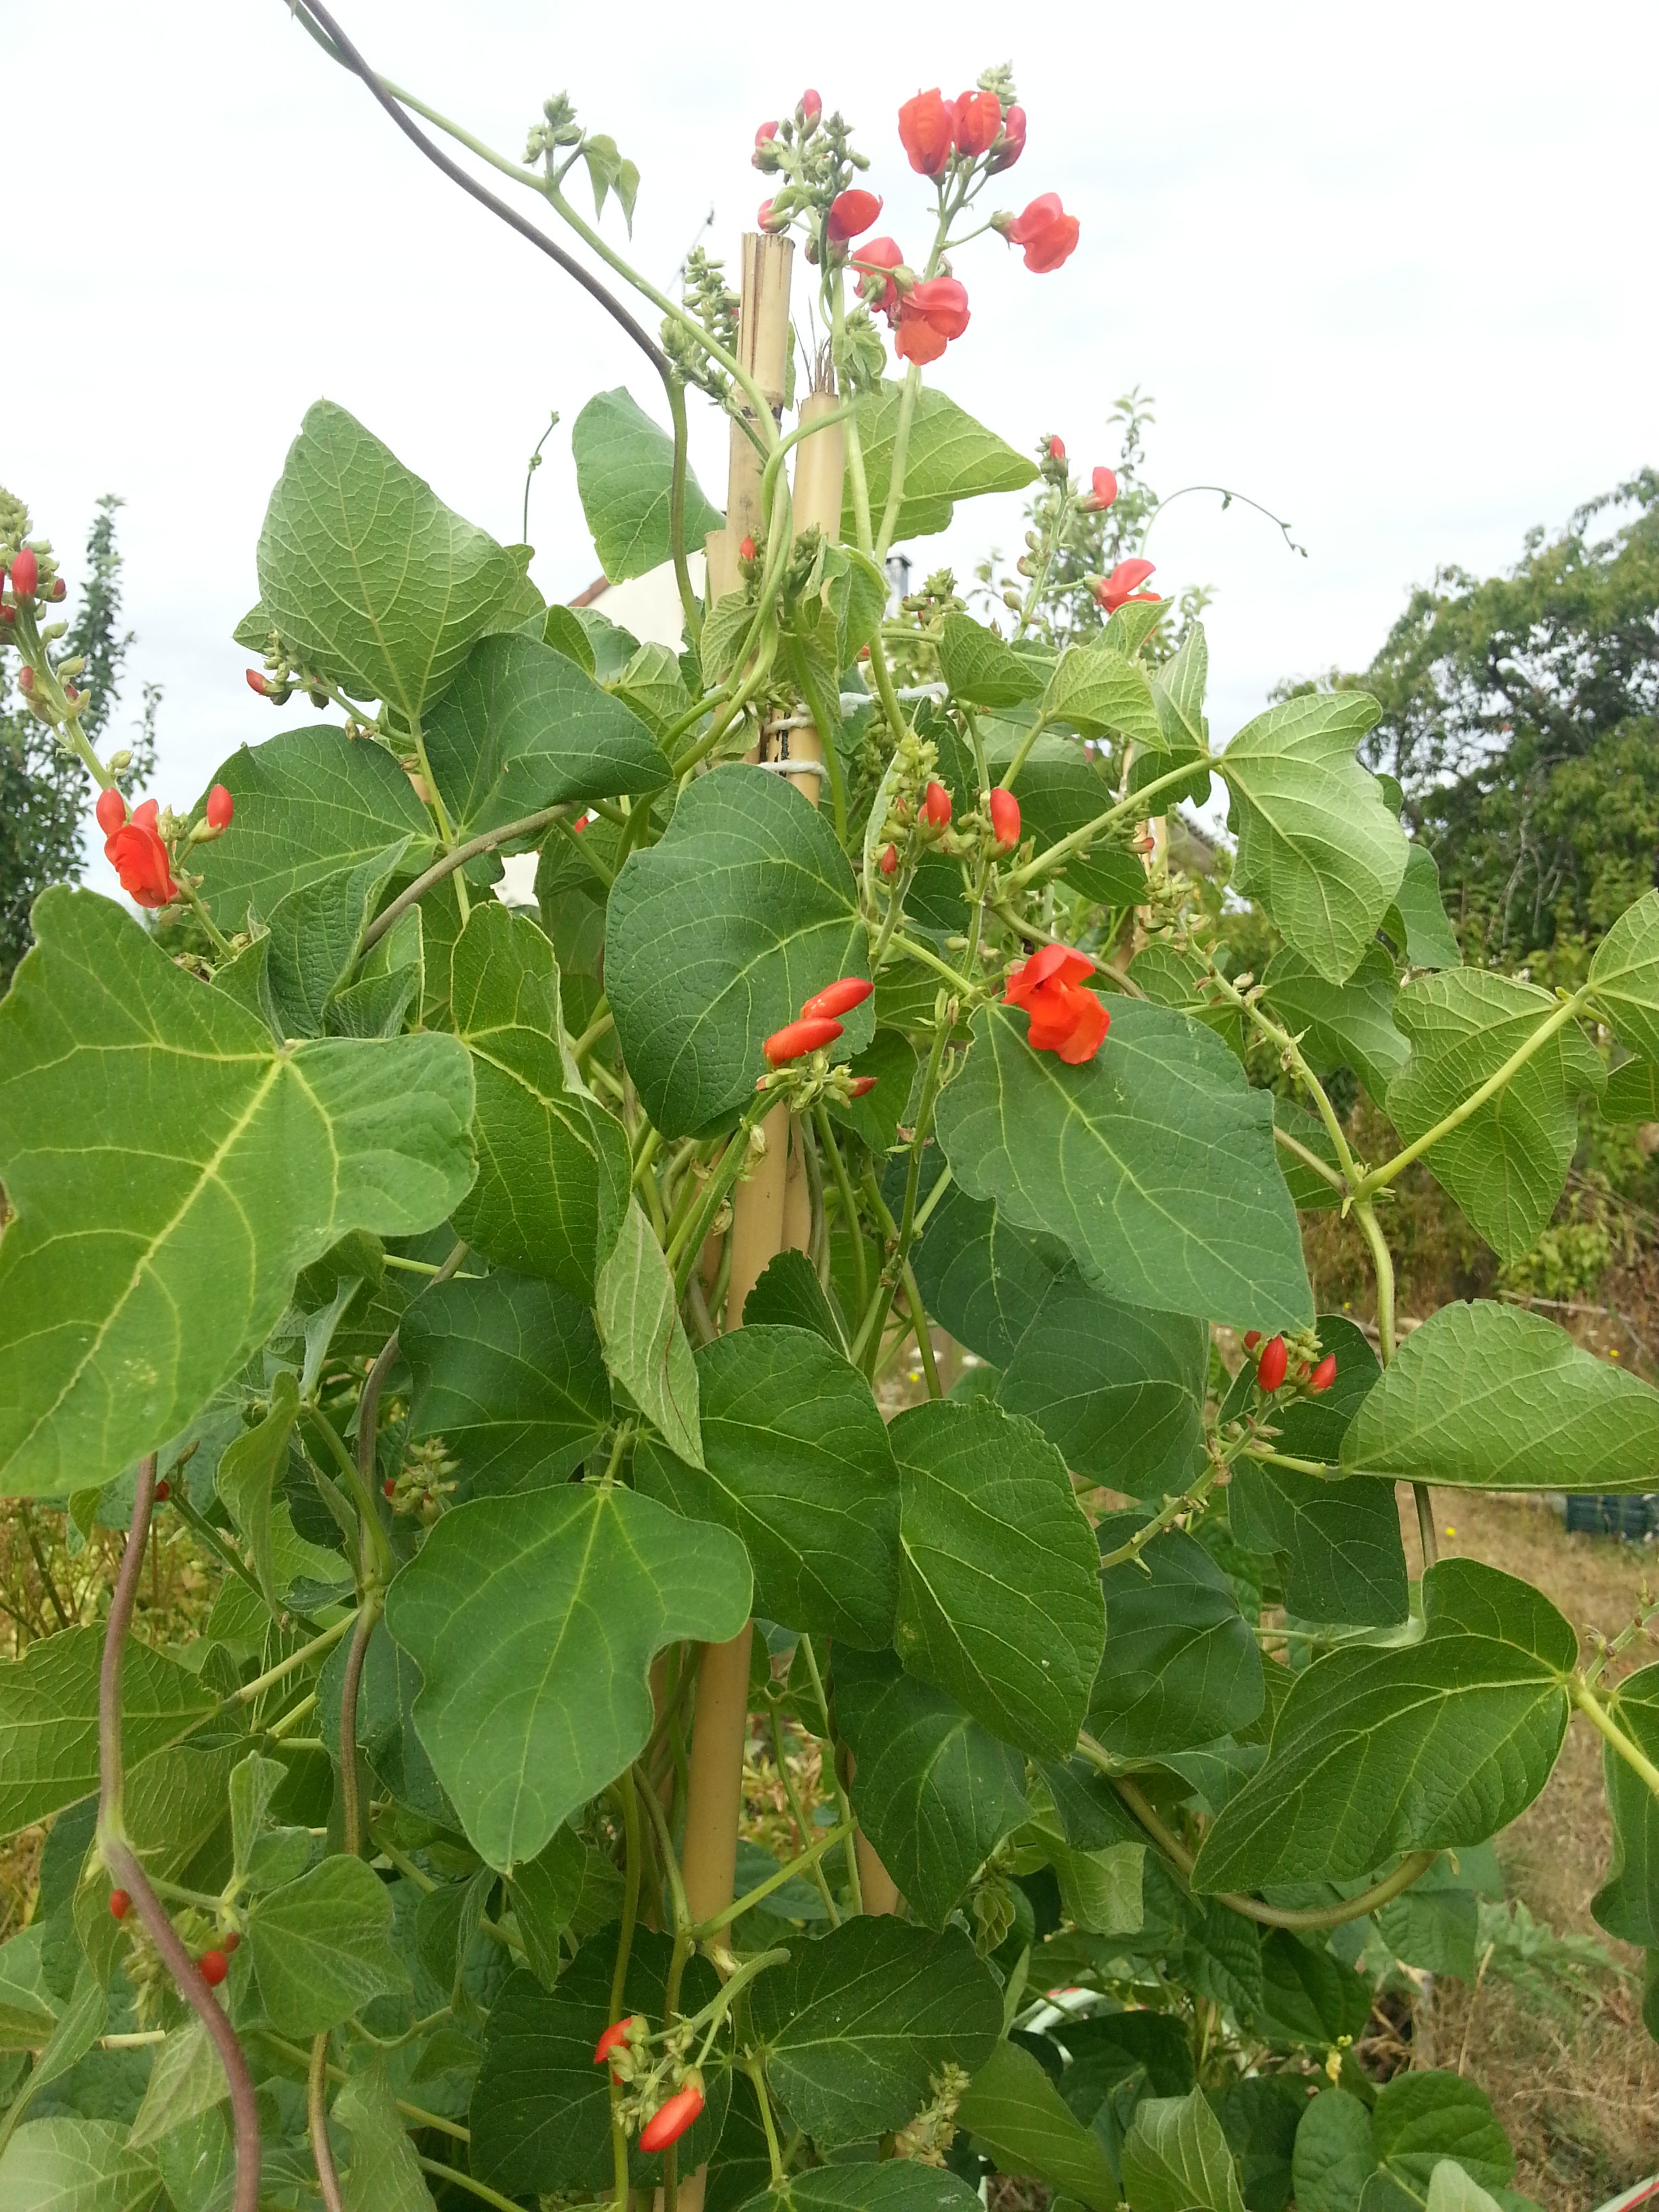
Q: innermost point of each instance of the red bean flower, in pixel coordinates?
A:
(1012, 145)
(889, 860)
(874, 260)
(1123, 586)
(119, 1904)
(931, 315)
(214, 1967)
(615, 2034)
(925, 131)
(1005, 819)
(936, 805)
(795, 1039)
(1056, 449)
(1252, 1338)
(140, 858)
(976, 123)
(1270, 1368)
(1063, 1018)
(852, 213)
(766, 134)
(256, 682)
(1323, 1375)
(862, 1085)
(1103, 490)
(110, 811)
(1047, 233)
(219, 808)
(810, 107)
(25, 572)
(670, 2121)
(837, 999)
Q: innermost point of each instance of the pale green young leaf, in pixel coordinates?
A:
(321, 1946)
(534, 1620)
(1000, 1596)
(553, 1165)
(1627, 1903)
(1175, 2158)
(1153, 1161)
(310, 803)
(188, 2077)
(645, 1347)
(1348, 1024)
(982, 669)
(1423, 1746)
(29, 2006)
(949, 456)
(509, 1373)
(385, 2174)
(523, 728)
(717, 934)
(148, 1261)
(365, 571)
(67, 2164)
(1624, 976)
(1178, 694)
(49, 1719)
(653, 686)
(1182, 1664)
(249, 1471)
(1099, 692)
(1506, 1163)
(857, 2023)
(1423, 934)
(624, 470)
(797, 1463)
(1016, 2117)
(1488, 1396)
(934, 1792)
(1317, 842)
(1451, 2190)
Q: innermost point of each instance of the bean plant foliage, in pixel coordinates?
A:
(508, 1299)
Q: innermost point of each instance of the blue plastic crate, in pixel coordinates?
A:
(1634, 1517)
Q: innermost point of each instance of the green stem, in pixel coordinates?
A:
(923, 1333)
(901, 457)
(799, 1865)
(692, 612)
(897, 941)
(1056, 855)
(1383, 1264)
(842, 1805)
(1595, 1712)
(457, 857)
(478, 2188)
(1022, 752)
(757, 2073)
(821, 1122)
(1168, 1512)
(221, 944)
(375, 1535)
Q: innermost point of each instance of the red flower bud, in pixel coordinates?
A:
(389, 1485)
(797, 1038)
(1104, 489)
(925, 131)
(119, 1904)
(1056, 449)
(1047, 233)
(25, 573)
(214, 1967)
(1005, 819)
(976, 123)
(889, 862)
(615, 2034)
(231, 1943)
(110, 811)
(837, 999)
(811, 106)
(765, 220)
(862, 1085)
(929, 315)
(670, 2121)
(746, 550)
(876, 287)
(851, 214)
(1252, 1338)
(56, 588)
(220, 807)
(256, 682)
(766, 134)
(1013, 141)
(936, 807)
(1143, 845)
(163, 1491)
(1324, 1374)
(1122, 585)
(1270, 1368)
(26, 680)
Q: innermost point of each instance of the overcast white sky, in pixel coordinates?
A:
(1386, 269)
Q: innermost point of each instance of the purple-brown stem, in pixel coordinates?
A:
(123, 1863)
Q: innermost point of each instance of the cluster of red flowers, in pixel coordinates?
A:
(675, 2114)
(1064, 1018)
(817, 1025)
(213, 1964)
(1273, 1363)
(135, 849)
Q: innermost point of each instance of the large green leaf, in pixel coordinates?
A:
(949, 456)
(366, 575)
(1488, 1396)
(982, 670)
(897, 2184)
(1317, 843)
(1178, 696)
(1182, 1665)
(508, 1372)
(49, 1719)
(1154, 1162)
(980, 1277)
(1506, 1163)
(310, 803)
(385, 2174)
(934, 1792)
(322, 1946)
(1333, 2158)
(1428, 941)
(149, 1259)
(1175, 2158)
(534, 1620)
(1420, 2118)
(856, 2025)
(797, 1464)
(1627, 1903)
(625, 471)
(999, 1590)
(1338, 1543)
(315, 937)
(1424, 1745)
(522, 727)
(1016, 2116)
(67, 2164)
(541, 2110)
(553, 1165)
(1099, 692)
(1348, 1024)
(1118, 1391)
(644, 1342)
(716, 936)
(1624, 976)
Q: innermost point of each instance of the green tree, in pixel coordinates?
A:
(44, 794)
